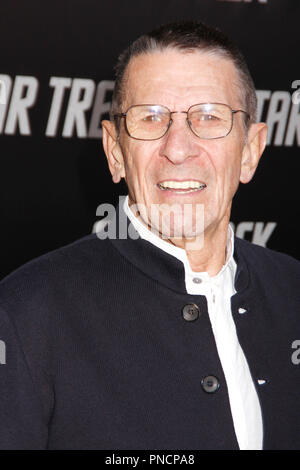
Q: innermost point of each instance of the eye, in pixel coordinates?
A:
(203, 118)
(207, 117)
(152, 118)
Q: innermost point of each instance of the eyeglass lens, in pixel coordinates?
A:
(207, 121)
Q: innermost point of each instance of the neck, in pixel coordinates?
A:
(210, 255)
(207, 253)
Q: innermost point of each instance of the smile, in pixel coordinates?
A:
(181, 187)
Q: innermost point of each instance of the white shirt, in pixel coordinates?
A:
(218, 289)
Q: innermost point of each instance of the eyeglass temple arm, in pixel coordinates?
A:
(119, 115)
(241, 111)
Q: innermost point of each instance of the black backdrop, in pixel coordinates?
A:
(56, 71)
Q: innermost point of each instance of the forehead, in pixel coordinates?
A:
(175, 78)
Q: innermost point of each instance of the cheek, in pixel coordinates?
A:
(139, 159)
(226, 164)
(137, 163)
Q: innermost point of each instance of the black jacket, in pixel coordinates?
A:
(99, 355)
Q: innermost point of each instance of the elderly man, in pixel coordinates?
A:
(178, 335)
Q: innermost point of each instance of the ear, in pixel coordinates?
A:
(113, 151)
(253, 150)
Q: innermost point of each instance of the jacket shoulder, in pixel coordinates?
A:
(56, 267)
(270, 264)
(267, 254)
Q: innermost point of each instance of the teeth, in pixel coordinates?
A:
(190, 185)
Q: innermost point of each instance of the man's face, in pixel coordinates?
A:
(179, 80)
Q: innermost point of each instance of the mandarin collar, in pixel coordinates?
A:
(158, 264)
(180, 253)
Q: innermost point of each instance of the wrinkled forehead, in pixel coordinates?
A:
(172, 77)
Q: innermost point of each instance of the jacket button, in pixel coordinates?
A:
(210, 384)
(190, 312)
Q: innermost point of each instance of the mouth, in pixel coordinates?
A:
(181, 187)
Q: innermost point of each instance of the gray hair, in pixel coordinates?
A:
(186, 36)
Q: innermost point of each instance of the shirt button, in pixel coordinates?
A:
(190, 312)
(197, 280)
(210, 384)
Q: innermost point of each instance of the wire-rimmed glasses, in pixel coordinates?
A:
(152, 121)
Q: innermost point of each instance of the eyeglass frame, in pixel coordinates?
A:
(233, 111)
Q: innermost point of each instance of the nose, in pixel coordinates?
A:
(179, 142)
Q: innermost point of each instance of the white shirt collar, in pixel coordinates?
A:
(180, 253)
